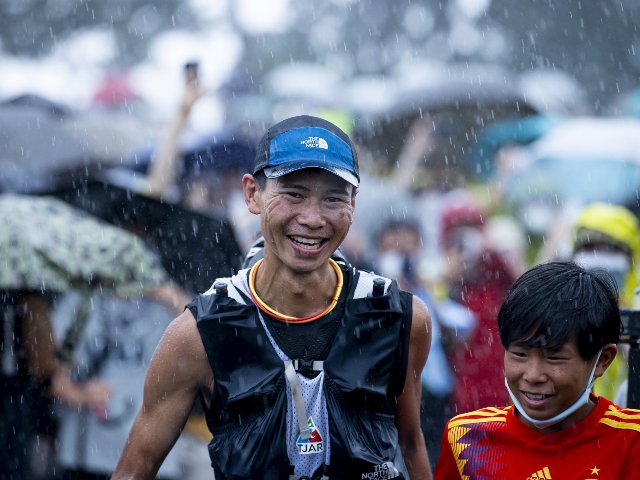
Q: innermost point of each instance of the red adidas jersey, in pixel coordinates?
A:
(493, 444)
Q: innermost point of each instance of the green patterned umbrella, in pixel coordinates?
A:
(48, 245)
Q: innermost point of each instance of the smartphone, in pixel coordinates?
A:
(191, 71)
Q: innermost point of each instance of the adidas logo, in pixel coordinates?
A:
(315, 142)
(543, 474)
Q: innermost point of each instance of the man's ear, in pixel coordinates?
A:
(250, 190)
(607, 356)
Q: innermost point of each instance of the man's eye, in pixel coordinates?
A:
(335, 199)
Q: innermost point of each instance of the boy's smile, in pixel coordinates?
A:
(546, 383)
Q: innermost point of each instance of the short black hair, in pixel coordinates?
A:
(556, 302)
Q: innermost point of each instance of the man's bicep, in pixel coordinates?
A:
(177, 372)
(408, 403)
(420, 340)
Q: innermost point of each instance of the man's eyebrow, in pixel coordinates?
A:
(293, 185)
(332, 190)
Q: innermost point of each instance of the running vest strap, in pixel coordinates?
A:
(364, 372)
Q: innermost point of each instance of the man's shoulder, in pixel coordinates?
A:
(480, 418)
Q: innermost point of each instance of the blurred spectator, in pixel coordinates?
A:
(399, 255)
(106, 340)
(506, 237)
(608, 237)
(478, 278)
(116, 92)
(30, 370)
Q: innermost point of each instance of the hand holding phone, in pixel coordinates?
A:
(191, 71)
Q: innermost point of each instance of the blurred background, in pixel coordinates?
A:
(487, 130)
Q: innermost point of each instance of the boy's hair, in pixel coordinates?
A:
(556, 302)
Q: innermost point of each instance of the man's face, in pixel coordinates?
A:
(304, 217)
(546, 383)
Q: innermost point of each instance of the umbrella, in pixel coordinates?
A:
(46, 244)
(456, 110)
(44, 146)
(194, 248)
(112, 137)
(214, 153)
(36, 151)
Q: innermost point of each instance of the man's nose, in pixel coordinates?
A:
(312, 215)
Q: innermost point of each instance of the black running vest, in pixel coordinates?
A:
(365, 371)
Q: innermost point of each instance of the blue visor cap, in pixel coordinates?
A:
(311, 147)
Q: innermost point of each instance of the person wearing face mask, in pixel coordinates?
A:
(559, 326)
(400, 254)
(608, 237)
(478, 278)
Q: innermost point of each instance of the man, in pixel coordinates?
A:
(308, 368)
(559, 325)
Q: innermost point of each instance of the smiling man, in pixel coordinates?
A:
(308, 368)
(559, 325)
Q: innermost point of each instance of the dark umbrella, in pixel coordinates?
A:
(456, 110)
(194, 248)
(213, 153)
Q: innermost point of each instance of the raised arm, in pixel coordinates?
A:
(410, 436)
(166, 163)
(178, 371)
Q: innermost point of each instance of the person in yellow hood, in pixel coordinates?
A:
(608, 237)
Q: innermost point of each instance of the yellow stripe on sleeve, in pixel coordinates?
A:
(620, 425)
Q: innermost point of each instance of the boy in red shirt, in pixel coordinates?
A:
(559, 325)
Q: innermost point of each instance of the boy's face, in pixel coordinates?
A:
(546, 383)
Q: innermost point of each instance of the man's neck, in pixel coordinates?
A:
(293, 293)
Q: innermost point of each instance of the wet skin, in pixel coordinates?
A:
(304, 218)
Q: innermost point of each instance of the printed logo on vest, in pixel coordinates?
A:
(384, 471)
(313, 444)
(315, 142)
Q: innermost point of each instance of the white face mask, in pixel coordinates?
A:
(582, 400)
(616, 263)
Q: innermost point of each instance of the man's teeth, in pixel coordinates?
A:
(306, 242)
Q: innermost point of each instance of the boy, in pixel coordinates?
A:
(559, 325)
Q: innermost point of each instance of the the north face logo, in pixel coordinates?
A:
(315, 142)
(314, 443)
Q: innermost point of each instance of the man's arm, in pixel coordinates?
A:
(178, 370)
(410, 436)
